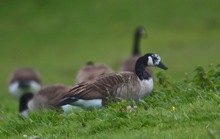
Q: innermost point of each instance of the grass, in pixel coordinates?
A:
(57, 38)
(184, 109)
(174, 110)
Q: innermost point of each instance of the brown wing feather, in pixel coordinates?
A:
(121, 85)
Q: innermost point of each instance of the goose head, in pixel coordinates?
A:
(24, 80)
(148, 60)
(154, 60)
(140, 31)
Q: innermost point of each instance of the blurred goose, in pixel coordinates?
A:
(90, 71)
(121, 85)
(23, 80)
(47, 98)
(129, 63)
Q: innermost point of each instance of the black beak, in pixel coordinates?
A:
(162, 66)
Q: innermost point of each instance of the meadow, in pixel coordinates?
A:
(57, 38)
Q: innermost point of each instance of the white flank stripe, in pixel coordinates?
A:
(89, 104)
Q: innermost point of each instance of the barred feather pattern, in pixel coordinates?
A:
(123, 85)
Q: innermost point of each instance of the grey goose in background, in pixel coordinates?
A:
(47, 98)
(129, 63)
(90, 71)
(121, 85)
(24, 80)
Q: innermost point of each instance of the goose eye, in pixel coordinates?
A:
(155, 58)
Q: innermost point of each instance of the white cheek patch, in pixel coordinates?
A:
(34, 86)
(18, 92)
(15, 90)
(142, 32)
(150, 61)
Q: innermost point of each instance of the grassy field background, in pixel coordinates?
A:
(58, 37)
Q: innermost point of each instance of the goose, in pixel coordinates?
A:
(129, 63)
(91, 71)
(122, 85)
(47, 98)
(23, 80)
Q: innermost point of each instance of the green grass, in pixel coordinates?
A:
(185, 109)
(57, 38)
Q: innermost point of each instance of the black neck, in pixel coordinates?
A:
(136, 50)
(24, 101)
(140, 70)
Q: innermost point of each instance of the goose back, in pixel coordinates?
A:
(123, 85)
(48, 97)
(92, 71)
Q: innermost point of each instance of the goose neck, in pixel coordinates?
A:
(24, 101)
(136, 50)
(140, 70)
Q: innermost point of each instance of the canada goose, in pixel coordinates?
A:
(47, 98)
(23, 80)
(91, 71)
(129, 63)
(125, 85)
